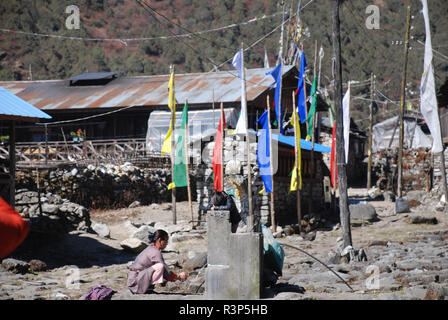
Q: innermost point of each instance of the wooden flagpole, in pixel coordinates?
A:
(249, 171)
(173, 150)
(187, 158)
(296, 155)
(272, 207)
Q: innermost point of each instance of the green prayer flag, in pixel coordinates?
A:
(180, 162)
(312, 110)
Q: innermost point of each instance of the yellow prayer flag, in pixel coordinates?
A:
(171, 186)
(166, 147)
(297, 174)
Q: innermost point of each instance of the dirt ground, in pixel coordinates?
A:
(93, 260)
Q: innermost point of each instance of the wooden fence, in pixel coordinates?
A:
(53, 153)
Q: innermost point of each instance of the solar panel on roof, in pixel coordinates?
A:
(93, 76)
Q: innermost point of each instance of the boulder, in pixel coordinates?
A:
(142, 233)
(421, 220)
(402, 206)
(101, 229)
(16, 266)
(363, 212)
(133, 245)
(37, 265)
(198, 261)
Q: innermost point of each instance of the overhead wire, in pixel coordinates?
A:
(124, 40)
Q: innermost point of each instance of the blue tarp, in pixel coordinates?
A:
(289, 140)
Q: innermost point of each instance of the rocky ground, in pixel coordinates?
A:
(406, 257)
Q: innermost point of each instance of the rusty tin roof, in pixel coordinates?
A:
(198, 88)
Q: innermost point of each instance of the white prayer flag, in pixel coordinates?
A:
(428, 100)
(346, 121)
(266, 60)
(238, 64)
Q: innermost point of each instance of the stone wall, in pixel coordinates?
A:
(417, 171)
(235, 183)
(104, 186)
(50, 213)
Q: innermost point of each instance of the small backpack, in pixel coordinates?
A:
(99, 293)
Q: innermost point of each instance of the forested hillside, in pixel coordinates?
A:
(35, 41)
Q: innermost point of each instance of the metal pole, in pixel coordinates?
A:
(403, 99)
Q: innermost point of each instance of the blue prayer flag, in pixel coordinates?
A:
(276, 74)
(301, 87)
(263, 152)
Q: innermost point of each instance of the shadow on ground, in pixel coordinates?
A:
(271, 292)
(61, 249)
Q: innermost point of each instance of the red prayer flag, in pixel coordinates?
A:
(217, 152)
(333, 166)
(13, 229)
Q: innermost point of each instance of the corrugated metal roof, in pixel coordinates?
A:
(198, 88)
(12, 105)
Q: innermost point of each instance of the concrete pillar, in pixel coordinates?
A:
(234, 261)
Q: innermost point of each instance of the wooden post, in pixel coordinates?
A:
(46, 144)
(296, 156)
(187, 159)
(369, 165)
(221, 123)
(403, 99)
(272, 194)
(12, 164)
(313, 121)
(340, 152)
(249, 171)
(173, 154)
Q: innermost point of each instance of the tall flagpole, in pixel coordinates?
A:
(403, 99)
(249, 171)
(296, 155)
(173, 150)
(221, 123)
(187, 158)
(280, 59)
(272, 207)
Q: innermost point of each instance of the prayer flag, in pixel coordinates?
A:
(266, 60)
(346, 118)
(301, 87)
(238, 64)
(180, 162)
(166, 147)
(333, 167)
(217, 152)
(312, 110)
(296, 177)
(428, 99)
(276, 73)
(263, 152)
